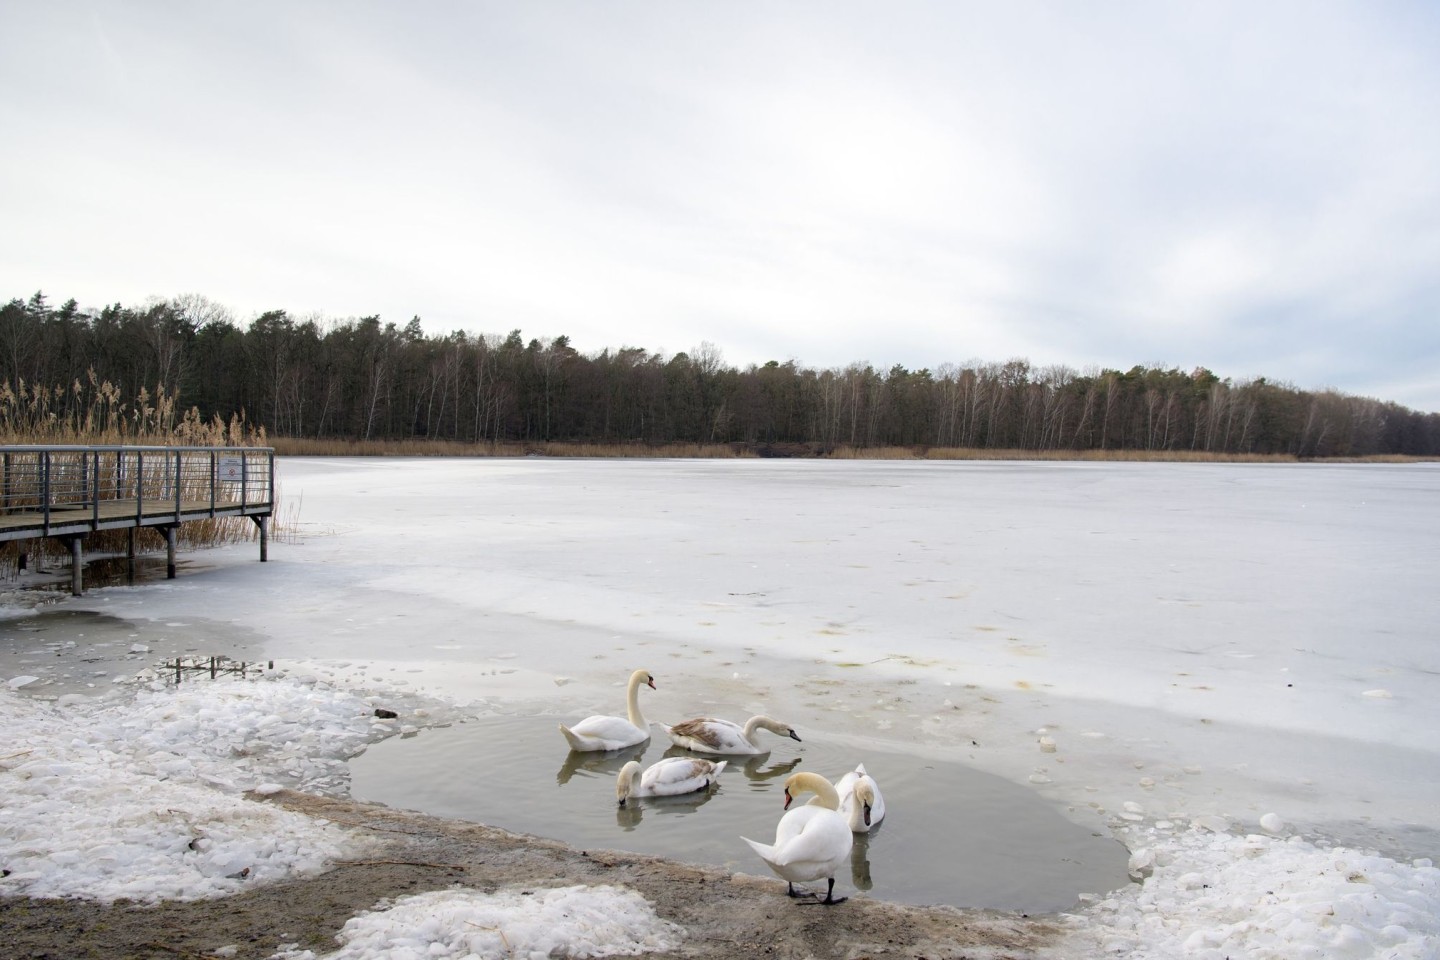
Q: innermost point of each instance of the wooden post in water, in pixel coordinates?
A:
(169, 552)
(130, 554)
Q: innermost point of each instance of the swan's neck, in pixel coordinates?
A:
(632, 702)
(628, 783)
(824, 790)
(752, 725)
(762, 722)
(863, 799)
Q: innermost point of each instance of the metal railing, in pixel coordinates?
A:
(52, 489)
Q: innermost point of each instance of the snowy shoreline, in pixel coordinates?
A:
(150, 783)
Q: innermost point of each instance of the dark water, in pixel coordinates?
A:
(951, 835)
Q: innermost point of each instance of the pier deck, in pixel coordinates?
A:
(68, 492)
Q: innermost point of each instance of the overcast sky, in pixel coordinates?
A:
(1251, 187)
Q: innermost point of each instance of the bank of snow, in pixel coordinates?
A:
(142, 795)
(1210, 895)
(578, 921)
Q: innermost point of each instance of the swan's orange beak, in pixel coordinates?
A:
(650, 682)
(867, 813)
(788, 798)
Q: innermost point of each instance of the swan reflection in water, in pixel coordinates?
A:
(757, 769)
(629, 816)
(594, 763)
(860, 860)
(754, 767)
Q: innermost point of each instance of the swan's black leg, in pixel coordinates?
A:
(830, 898)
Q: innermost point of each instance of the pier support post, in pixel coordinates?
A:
(130, 554)
(264, 537)
(77, 586)
(169, 552)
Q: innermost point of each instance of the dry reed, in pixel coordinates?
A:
(304, 447)
(307, 447)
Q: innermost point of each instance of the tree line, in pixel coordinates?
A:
(365, 379)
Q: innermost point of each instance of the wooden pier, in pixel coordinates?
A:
(69, 492)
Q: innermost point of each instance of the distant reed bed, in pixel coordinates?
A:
(304, 447)
(308, 447)
(295, 446)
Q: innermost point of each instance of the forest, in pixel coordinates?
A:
(366, 379)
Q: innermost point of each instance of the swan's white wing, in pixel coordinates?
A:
(822, 842)
(606, 733)
(845, 786)
(793, 822)
(677, 775)
(810, 843)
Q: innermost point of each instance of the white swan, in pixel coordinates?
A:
(861, 802)
(725, 737)
(811, 841)
(669, 777)
(613, 733)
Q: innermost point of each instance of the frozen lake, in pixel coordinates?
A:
(1271, 627)
(1124, 643)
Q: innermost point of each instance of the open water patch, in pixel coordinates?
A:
(951, 835)
(81, 650)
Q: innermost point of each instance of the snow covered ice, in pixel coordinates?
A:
(1232, 667)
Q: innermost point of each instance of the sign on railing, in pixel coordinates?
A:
(230, 469)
